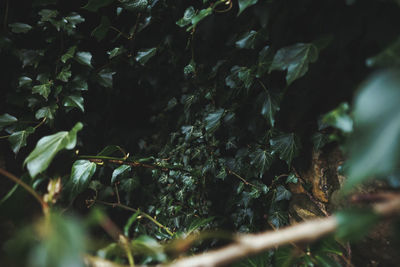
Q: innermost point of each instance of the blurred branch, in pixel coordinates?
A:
(250, 244)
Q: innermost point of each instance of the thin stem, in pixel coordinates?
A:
(40, 123)
(30, 190)
(125, 245)
(136, 210)
(241, 178)
(123, 34)
(35, 127)
(6, 16)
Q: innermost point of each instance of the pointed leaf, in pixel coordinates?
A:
(212, 121)
(243, 4)
(46, 112)
(145, 54)
(84, 58)
(7, 119)
(47, 147)
(74, 101)
(269, 108)
(121, 170)
(64, 74)
(339, 118)
(134, 5)
(247, 40)
(199, 17)
(18, 139)
(105, 78)
(20, 27)
(295, 59)
(187, 17)
(286, 146)
(69, 54)
(261, 160)
(282, 193)
(81, 173)
(43, 90)
(116, 52)
(24, 81)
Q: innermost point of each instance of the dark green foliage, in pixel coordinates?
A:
(213, 100)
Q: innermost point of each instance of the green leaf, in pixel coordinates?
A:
(18, 139)
(270, 107)
(144, 55)
(94, 5)
(109, 150)
(116, 52)
(354, 224)
(261, 160)
(374, 147)
(390, 57)
(81, 173)
(247, 40)
(46, 112)
(105, 78)
(7, 119)
(295, 59)
(24, 81)
(43, 90)
(74, 101)
(64, 74)
(128, 185)
(282, 193)
(187, 17)
(20, 27)
(84, 58)
(212, 120)
(265, 58)
(74, 18)
(339, 118)
(69, 54)
(134, 5)
(120, 171)
(286, 146)
(130, 221)
(47, 147)
(47, 14)
(292, 179)
(100, 31)
(199, 17)
(243, 4)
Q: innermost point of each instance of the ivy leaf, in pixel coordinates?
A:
(134, 5)
(64, 74)
(20, 27)
(339, 118)
(375, 148)
(46, 112)
(105, 78)
(69, 54)
(286, 146)
(247, 41)
(7, 119)
(121, 170)
(199, 17)
(84, 58)
(187, 17)
(354, 224)
(212, 120)
(42, 89)
(265, 58)
(74, 101)
(100, 31)
(22, 81)
(145, 54)
(261, 160)
(81, 173)
(47, 15)
(390, 57)
(282, 193)
(269, 108)
(18, 139)
(94, 5)
(243, 4)
(78, 83)
(47, 147)
(295, 59)
(116, 52)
